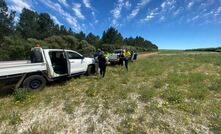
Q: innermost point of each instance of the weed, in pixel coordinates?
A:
(216, 123)
(177, 79)
(131, 126)
(216, 86)
(15, 118)
(158, 83)
(173, 96)
(128, 107)
(196, 78)
(199, 92)
(20, 95)
(147, 94)
(91, 92)
(190, 107)
(68, 107)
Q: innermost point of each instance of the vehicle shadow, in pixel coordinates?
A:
(6, 91)
(10, 89)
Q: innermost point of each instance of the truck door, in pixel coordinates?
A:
(75, 62)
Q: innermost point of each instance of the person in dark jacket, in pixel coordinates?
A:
(36, 54)
(102, 64)
(96, 55)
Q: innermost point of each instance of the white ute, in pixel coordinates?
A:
(45, 65)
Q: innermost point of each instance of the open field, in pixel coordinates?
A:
(165, 92)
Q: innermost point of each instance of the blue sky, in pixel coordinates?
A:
(171, 24)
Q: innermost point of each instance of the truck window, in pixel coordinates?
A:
(72, 55)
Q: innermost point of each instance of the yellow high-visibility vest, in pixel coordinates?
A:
(127, 54)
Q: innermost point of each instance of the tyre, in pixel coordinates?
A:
(34, 82)
(90, 70)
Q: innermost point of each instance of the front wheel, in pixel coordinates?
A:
(34, 82)
(90, 70)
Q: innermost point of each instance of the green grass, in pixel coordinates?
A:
(169, 92)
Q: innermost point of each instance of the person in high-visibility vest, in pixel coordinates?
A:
(127, 56)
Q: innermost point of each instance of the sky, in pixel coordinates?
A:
(170, 24)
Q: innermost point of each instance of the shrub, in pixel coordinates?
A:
(86, 49)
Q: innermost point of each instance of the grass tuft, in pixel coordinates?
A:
(20, 95)
(173, 96)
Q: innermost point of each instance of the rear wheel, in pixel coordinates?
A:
(34, 82)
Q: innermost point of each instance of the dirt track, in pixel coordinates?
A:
(147, 55)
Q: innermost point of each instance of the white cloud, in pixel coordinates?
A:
(138, 7)
(77, 10)
(190, 5)
(168, 4)
(64, 2)
(149, 17)
(178, 11)
(162, 18)
(56, 20)
(116, 12)
(69, 18)
(73, 22)
(152, 14)
(18, 5)
(16, 19)
(193, 19)
(87, 4)
(128, 4)
(218, 11)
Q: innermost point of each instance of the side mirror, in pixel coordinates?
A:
(82, 57)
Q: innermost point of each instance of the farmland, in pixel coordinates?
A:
(163, 92)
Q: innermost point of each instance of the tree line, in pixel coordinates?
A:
(218, 49)
(17, 38)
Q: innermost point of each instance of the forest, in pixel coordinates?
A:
(18, 37)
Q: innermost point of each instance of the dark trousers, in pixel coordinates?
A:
(121, 60)
(126, 63)
(102, 70)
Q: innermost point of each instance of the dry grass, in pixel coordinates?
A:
(178, 93)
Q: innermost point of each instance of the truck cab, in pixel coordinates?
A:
(66, 62)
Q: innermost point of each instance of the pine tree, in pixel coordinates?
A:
(6, 20)
(28, 24)
(92, 39)
(112, 36)
(46, 25)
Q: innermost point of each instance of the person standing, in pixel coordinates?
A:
(127, 56)
(96, 55)
(102, 64)
(36, 54)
